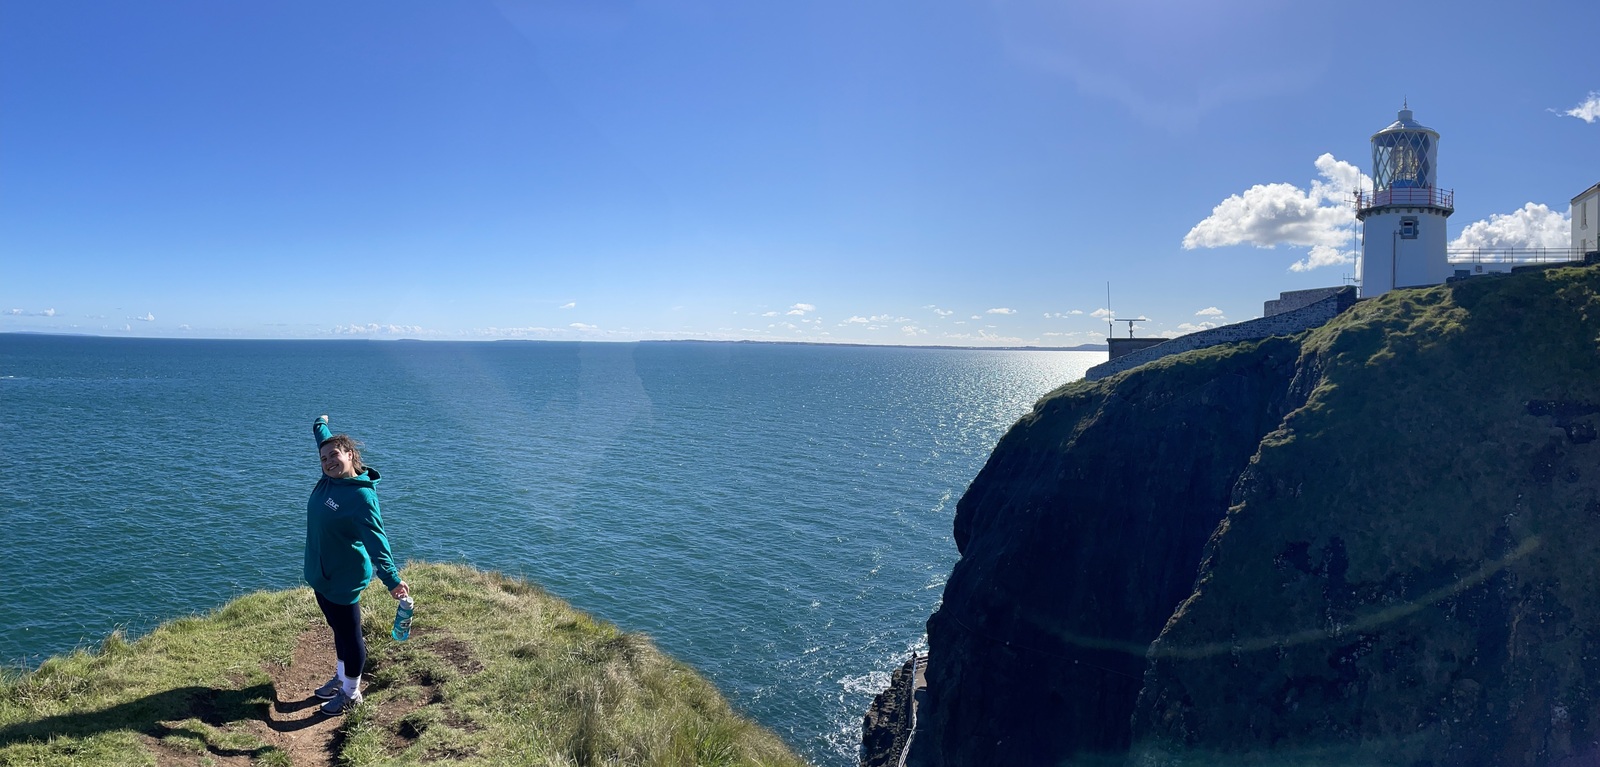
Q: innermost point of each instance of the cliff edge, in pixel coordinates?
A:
(1371, 543)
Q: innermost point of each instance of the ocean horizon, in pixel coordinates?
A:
(402, 339)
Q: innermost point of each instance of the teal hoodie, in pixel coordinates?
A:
(344, 535)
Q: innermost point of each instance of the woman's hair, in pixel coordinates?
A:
(344, 442)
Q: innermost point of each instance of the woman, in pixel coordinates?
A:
(345, 544)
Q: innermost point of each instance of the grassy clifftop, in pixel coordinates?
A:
(496, 672)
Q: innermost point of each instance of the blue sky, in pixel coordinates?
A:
(886, 172)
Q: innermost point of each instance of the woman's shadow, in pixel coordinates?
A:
(152, 714)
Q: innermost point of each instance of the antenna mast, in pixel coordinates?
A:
(1110, 328)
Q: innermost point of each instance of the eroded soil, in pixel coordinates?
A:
(287, 727)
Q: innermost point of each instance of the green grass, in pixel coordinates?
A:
(499, 672)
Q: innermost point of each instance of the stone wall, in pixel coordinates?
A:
(1296, 299)
(1286, 323)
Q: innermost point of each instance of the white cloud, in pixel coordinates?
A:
(13, 312)
(494, 332)
(184, 327)
(1588, 111)
(148, 317)
(769, 314)
(913, 330)
(48, 313)
(1190, 327)
(801, 309)
(1001, 310)
(938, 311)
(1268, 215)
(855, 320)
(986, 337)
(570, 305)
(976, 317)
(1320, 256)
(1210, 311)
(1076, 311)
(1534, 226)
(1101, 314)
(581, 326)
(1079, 336)
(374, 329)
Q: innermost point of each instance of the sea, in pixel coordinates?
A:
(778, 516)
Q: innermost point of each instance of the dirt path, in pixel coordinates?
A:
(294, 724)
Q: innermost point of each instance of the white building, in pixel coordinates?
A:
(1403, 218)
(1586, 220)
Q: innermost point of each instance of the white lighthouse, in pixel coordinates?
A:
(1402, 219)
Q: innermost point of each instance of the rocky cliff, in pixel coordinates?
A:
(1372, 543)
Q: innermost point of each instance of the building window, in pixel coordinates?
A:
(1408, 228)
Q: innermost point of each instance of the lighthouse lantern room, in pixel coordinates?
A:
(1403, 217)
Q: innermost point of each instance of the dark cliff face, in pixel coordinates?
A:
(1375, 543)
(1078, 539)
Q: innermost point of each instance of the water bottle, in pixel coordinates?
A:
(402, 619)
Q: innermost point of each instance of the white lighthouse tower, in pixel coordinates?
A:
(1402, 220)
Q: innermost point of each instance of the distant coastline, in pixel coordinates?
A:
(1078, 348)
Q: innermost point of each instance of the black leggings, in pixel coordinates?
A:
(348, 644)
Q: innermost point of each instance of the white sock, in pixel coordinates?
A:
(351, 684)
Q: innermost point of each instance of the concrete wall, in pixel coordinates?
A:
(1586, 220)
(1286, 323)
(1389, 261)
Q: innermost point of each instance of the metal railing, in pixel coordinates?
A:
(1423, 195)
(1513, 255)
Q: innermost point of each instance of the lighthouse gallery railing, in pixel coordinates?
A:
(1421, 195)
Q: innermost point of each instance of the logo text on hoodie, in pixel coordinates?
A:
(330, 504)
